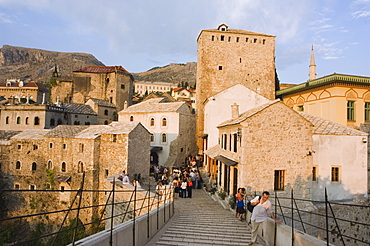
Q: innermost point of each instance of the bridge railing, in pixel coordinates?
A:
(121, 205)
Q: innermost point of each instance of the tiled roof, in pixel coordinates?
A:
(31, 84)
(102, 69)
(78, 108)
(102, 102)
(65, 131)
(6, 135)
(153, 105)
(360, 80)
(248, 114)
(114, 128)
(36, 134)
(326, 127)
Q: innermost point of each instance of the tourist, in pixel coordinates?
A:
(240, 209)
(260, 214)
(183, 187)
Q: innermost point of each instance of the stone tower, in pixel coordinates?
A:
(112, 84)
(227, 57)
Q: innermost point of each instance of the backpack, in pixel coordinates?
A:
(250, 207)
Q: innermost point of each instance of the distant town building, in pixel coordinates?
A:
(171, 125)
(185, 95)
(146, 87)
(23, 116)
(109, 83)
(17, 91)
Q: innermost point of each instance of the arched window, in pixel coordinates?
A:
(106, 112)
(52, 122)
(27, 121)
(131, 118)
(151, 137)
(18, 165)
(50, 165)
(34, 166)
(164, 122)
(36, 121)
(106, 122)
(18, 120)
(64, 166)
(80, 167)
(7, 120)
(151, 121)
(164, 138)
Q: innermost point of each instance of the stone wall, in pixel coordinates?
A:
(276, 138)
(243, 57)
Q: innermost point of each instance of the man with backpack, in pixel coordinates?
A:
(261, 212)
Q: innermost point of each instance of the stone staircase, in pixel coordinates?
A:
(202, 221)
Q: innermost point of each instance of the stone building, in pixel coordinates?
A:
(57, 159)
(273, 147)
(142, 87)
(228, 57)
(170, 124)
(31, 116)
(17, 91)
(107, 112)
(112, 84)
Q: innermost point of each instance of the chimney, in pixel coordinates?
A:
(234, 111)
(125, 105)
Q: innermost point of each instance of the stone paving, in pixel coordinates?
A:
(202, 221)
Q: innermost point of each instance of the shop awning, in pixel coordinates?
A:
(226, 160)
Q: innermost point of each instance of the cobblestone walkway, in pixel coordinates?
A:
(202, 221)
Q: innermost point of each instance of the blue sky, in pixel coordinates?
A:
(143, 34)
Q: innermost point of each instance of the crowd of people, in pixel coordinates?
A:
(183, 179)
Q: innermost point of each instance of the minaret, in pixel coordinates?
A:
(313, 73)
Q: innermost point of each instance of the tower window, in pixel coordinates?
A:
(122, 86)
(255, 40)
(131, 118)
(229, 39)
(18, 120)
(151, 121)
(7, 120)
(213, 38)
(219, 67)
(222, 37)
(34, 166)
(237, 39)
(246, 39)
(18, 165)
(263, 41)
(106, 112)
(64, 167)
(36, 121)
(164, 122)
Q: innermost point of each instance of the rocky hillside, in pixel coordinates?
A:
(39, 65)
(171, 73)
(23, 63)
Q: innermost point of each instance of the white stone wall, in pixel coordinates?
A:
(218, 108)
(350, 154)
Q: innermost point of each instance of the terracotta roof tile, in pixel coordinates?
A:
(102, 69)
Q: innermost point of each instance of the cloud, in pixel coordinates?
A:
(361, 13)
(4, 18)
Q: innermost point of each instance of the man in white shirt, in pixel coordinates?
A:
(260, 214)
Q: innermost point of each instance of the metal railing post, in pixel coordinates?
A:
(326, 218)
(112, 213)
(78, 208)
(148, 218)
(134, 220)
(291, 204)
